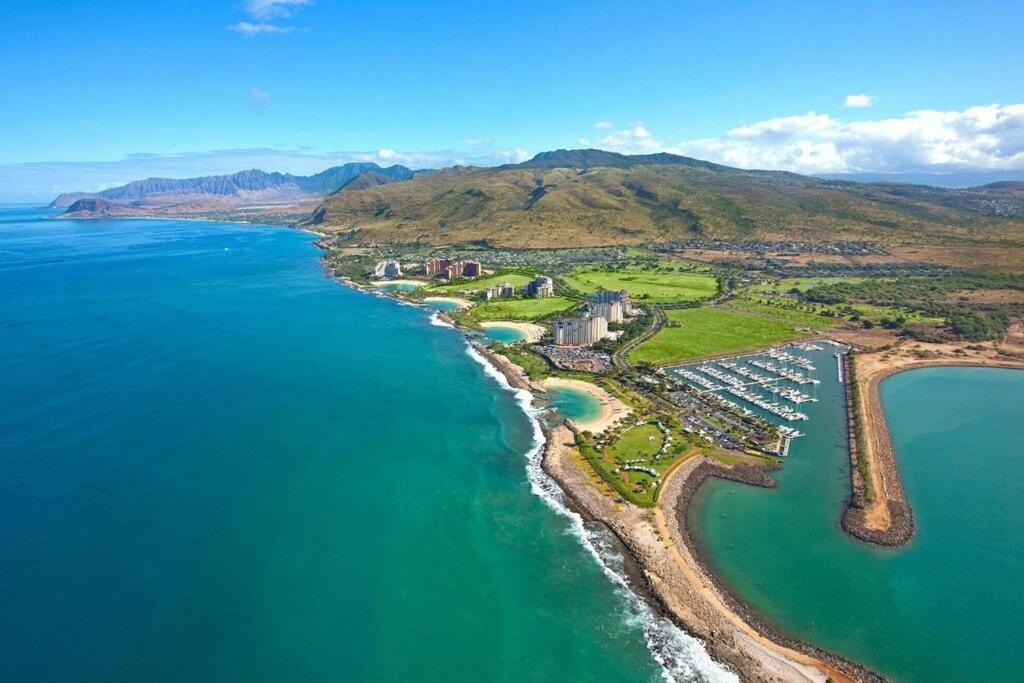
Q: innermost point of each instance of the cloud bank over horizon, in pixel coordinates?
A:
(978, 139)
(983, 138)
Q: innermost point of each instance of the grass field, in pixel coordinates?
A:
(638, 443)
(707, 332)
(520, 309)
(654, 286)
(515, 279)
(791, 313)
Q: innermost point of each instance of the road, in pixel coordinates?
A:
(657, 321)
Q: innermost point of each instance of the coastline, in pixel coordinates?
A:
(612, 409)
(461, 303)
(878, 512)
(531, 333)
(675, 574)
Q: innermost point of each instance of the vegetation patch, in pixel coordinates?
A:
(654, 284)
(634, 458)
(515, 278)
(700, 332)
(520, 309)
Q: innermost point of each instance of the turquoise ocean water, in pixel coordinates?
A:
(216, 464)
(945, 608)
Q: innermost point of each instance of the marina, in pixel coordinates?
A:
(770, 385)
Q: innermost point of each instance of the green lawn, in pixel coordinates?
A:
(517, 280)
(638, 443)
(520, 309)
(654, 286)
(710, 331)
(791, 312)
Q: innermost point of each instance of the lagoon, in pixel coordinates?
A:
(574, 404)
(944, 608)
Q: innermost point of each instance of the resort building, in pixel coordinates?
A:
(387, 270)
(579, 331)
(502, 291)
(540, 287)
(607, 296)
(611, 311)
(433, 267)
(453, 270)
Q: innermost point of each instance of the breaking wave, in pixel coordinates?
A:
(681, 656)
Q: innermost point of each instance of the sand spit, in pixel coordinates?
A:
(887, 518)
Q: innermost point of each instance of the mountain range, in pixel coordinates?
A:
(234, 190)
(594, 197)
(585, 198)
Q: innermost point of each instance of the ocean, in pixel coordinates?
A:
(944, 608)
(218, 464)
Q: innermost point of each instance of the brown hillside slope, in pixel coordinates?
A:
(579, 200)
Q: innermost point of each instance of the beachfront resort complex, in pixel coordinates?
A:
(579, 331)
(451, 269)
(387, 270)
(605, 308)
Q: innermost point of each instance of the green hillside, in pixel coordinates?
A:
(587, 198)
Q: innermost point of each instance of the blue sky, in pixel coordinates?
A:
(118, 89)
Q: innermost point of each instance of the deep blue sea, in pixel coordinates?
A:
(216, 464)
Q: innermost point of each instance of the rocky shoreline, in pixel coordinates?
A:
(674, 573)
(753, 476)
(854, 521)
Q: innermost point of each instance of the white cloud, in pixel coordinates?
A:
(264, 10)
(633, 140)
(270, 9)
(989, 137)
(478, 141)
(249, 29)
(604, 124)
(860, 101)
(259, 96)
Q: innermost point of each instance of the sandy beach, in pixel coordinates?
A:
(532, 333)
(612, 409)
(679, 582)
(414, 283)
(461, 303)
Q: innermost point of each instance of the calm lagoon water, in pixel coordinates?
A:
(397, 287)
(446, 306)
(505, 335)
(216, 464)
(574, 404)
(945, 608)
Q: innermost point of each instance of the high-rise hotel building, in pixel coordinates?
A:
(579, 331)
